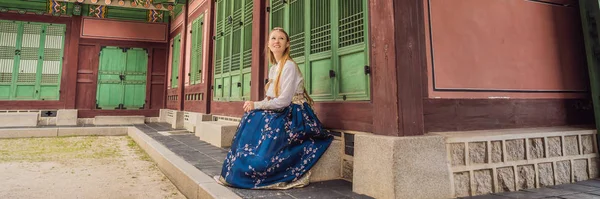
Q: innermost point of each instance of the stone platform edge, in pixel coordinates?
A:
(190, 181)
(7, 133)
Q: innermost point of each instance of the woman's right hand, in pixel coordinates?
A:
(248, 106)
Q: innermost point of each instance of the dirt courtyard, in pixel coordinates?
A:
(80, 167)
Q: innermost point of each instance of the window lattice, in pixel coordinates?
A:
(351, 24)
(278, 13)
(29, 53)
(7, 52)
(8, 34)
(219, 56)
(235, 54)
(320, 26)
(297, 28)
(247, 51)
(219, 14)
(227, 54)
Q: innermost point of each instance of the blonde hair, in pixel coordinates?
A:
(286, 56)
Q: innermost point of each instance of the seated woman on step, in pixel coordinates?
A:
(280, 138)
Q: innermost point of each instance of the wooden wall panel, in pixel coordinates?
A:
(476, 114)
(157, 77)
(87, 77)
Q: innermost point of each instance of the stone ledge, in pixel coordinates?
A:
(87, 131)
(217, 133)
(401, 167)
(192, 183)
(328, 167)
(118, 120)
(21, 119)
(28, 132)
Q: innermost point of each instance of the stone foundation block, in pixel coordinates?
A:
(118, 120)
(23, 119)
(328, 167)
(217, 133)
(175, 118)
(66, 117)
(401, 167)
(162, 115)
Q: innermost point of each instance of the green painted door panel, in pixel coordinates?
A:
(236, 88)
(29, 61)
(109, 94)
(321, 82)
(134, 82)
(233, 48)
(9, 32)
(353, 80)
(246, 87)
(196, 60)
(328, 37)
(218, 88)
(52, 62)
(31, 57)
(175, 62)
(226, 88)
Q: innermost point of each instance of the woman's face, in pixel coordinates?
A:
(278, 42)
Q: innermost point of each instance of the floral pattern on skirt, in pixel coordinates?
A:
(275, 146)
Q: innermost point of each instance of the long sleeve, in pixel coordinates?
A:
(289, 84)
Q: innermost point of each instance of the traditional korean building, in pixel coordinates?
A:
(429, 98)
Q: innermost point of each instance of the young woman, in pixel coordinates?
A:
(280, 138)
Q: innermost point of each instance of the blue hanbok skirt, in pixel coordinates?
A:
(275, 149)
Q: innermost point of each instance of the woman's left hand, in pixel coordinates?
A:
(248, 106)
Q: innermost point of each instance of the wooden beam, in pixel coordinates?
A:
(398, 64)
(383, 62)
(258, 46)
(182, 72)
(410, 64)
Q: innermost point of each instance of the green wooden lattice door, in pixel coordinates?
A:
(233, 51)
(329, 43)
(196, 57)
(175, 61)
(122, 78)
(31, 57)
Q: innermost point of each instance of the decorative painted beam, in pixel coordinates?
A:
(140, 4)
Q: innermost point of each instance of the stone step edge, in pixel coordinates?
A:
(190, 181)
(7, 133)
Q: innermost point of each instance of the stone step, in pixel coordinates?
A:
(329, 166)
(118, 120)
(21, 119)
(217, 133)
(173, 132)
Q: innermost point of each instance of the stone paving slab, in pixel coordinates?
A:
(209, 159)
(580, 190)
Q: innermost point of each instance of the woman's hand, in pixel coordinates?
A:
(248, 106)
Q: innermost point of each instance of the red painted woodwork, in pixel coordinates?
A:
(157, 78)
(123, 30)
(476, 114)
(87, 77)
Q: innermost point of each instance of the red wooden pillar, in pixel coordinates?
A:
(258, 45)
(71, 63)
(183, 48)
(398, 61)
